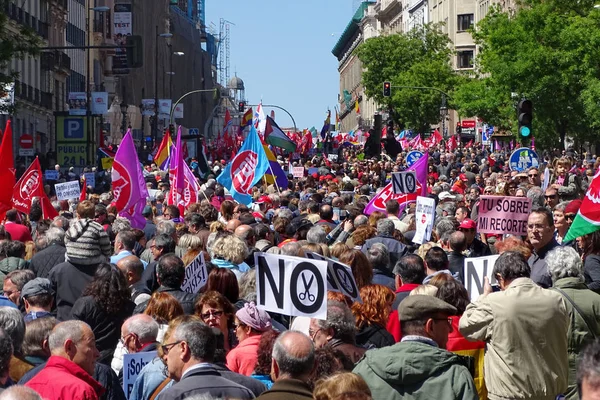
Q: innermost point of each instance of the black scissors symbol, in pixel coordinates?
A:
(306, 294)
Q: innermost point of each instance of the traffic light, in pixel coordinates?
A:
(387, 89)
(525, 117)
(134, 50)
(241, 106)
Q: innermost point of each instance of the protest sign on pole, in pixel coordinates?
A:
(196, 275)
(424, 216)
(404, 182)
(132, 365)
(298, 172)
(67, 190)
(51, 175)
(503, 215)
(475, 270)
(292, 286)
(339, 277)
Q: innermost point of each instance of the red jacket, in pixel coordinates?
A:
(17, 231)
(393, 325)
(62, 379)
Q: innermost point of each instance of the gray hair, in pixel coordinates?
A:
(144, 326)
(445, 187)
(247, 285)
(13, 324)
(385, 226)
(445, 225)
(290, 249)
(18, 392)
(285, 213)
(6, 351)
(64, 331)
(55, 235)
(361, 220)
(449, 207)
(106, 196)
(61, 222)
(121, 224)
(561, 206)
(564, 262)
(341, 320)
(379, 256)
(589, 367)
(536, 194)
(166, 227)
(316, 235)
(199, 337)
(292, 364)
(210, 241)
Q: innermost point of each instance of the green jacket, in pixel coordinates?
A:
(10, 264)
(579, 334)
(415, 370)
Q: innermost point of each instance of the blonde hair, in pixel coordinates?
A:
(342, 386)
(424, 248)
(230, 248)
(190, 242)
(428, 290)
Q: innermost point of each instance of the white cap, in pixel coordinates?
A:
(446, 196)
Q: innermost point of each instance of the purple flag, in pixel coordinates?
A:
(378, 202)
(177, 175)
(128, 183)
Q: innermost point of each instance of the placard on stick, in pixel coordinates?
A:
(404, 182)
(339, 277)
(196, 275)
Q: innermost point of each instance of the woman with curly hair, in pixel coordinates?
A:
(360, 265)
(217, 312)
(376, 216)
(262, 369)
(230, 252)
(372, 316)
(105, 304)
(362, 234)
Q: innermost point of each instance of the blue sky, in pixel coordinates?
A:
(282, 51)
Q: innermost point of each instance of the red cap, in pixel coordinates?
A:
(263, 199)
(467, 224)
(315, 175)
(463, 177)
(258, 215)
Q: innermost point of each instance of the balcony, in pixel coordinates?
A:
(56, 61)
(63, 62)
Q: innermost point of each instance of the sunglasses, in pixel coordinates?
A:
(570, 216)
(551, 197)
(532, 175)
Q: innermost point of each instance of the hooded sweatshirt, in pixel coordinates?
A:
(416, 370)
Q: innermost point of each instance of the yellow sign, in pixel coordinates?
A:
(107, 162)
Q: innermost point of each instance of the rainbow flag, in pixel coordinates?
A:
(274, 173)
(247, 118)
(164, 151)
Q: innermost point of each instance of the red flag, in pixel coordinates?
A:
(228, 122)
(452, 143)
(491, 161)
(7, 170)
(83, 193)
(469, 144)
(29, 186)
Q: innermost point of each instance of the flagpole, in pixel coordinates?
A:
(274, 179)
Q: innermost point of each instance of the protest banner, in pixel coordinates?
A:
(51, 175)
(67, 190)
(424, 216)
(404, 182)
(475, 270)
(339, 277)
(298, 172)
(90, 179)
(292, 286)
(132, 365)
(503, 215)
(196, 275)
(332, 157)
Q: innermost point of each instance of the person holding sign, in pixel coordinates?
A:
(511, 322)
(250, 323)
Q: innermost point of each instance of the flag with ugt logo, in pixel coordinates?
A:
(245, 169)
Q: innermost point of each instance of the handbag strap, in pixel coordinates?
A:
(576, 307)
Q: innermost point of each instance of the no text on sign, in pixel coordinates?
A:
(475, 270)
(404, 182)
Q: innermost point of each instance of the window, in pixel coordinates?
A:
(465, 59)
(465, 21)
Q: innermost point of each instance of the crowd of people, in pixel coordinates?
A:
(85, 289)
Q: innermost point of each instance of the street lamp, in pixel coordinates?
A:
(124, 108)
(171, 73)
(444, 114)
(90, 132)
(166, 35)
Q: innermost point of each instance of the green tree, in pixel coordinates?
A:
(16, 42)
(549, 52)
(421, 57)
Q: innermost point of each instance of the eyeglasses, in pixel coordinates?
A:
(165, 348)
(215, 314)
(539, 227)
(532, 175)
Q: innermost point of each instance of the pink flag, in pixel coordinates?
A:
(378, 202)
(191, 189)
(128, 183)
(177, 175)
(512, 145)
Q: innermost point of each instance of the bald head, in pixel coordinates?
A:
(458, 241)
(232, 225)
(18, 392)
(132, 268)
(293, 356)
(246, 233)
